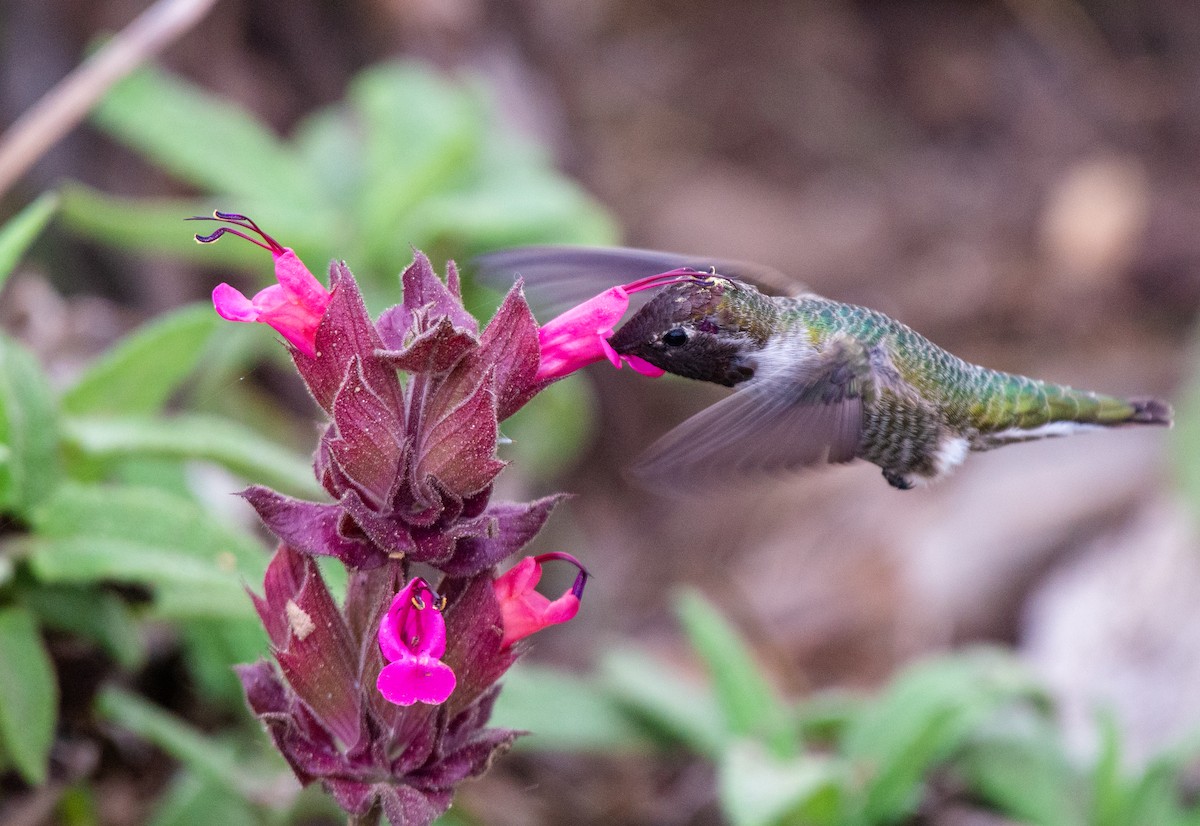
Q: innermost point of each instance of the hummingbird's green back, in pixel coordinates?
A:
(967, 397)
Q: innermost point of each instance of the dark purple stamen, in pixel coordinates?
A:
(581, 578)
(242, 223)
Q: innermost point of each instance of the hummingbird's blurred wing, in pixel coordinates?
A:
(559, 277)
(804, 415)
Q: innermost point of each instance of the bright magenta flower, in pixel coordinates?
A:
(294, 306)
(579, 336)
(523, 610)
(412, 637)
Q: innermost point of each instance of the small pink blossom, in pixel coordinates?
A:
(579, 336)
(412, 638)
(523, 611)
(294, 306)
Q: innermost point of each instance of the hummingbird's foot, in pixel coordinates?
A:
(898, 480)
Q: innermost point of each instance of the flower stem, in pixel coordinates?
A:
(371, 818)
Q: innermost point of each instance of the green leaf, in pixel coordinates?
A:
(1020, 766)
(90, 613)
(78, 807)
(922, 719)
(209, 758)
(194, 800)
(140, 374)
(151, 225)
(28, 695)
(22, 230)
(1107, 783)
(1159, 795)
(194, 564)
(29, 460)
(563, 712)
(673, 705)
(749, 704)
(201, 138)
(183, 587)
(213, 646)
(758, 789)
(421, 135)
(212, 439)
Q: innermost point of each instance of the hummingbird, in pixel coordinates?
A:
(815, 380)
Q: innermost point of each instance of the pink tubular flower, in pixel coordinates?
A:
(294, 306)
(523, 610)
(579, 336)
(412, 637)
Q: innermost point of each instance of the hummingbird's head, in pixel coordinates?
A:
(704, 329)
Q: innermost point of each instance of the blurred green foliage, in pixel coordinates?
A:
(974, 723)
(409, 159)
(90, 555)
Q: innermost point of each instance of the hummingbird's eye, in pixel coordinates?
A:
(675, 338)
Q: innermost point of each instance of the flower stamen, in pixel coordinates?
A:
(243, 223)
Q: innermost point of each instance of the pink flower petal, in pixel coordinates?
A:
(416, 680)
(301, 285)
(294, 306)
(231, 305)
(523, 611)
(579, 336)
(642, 366)
(406, 630)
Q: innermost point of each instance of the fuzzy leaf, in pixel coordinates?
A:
(344, 334)
(510, 526)
(29, 460)
(28, 695)
(311, 527)
(510, 342)
(217, 440)
(311, 641)
(191, 799)
(183, 586)
(422, 135)
(210, 644)
(369, 446)
(459, 449)
(22, 230)
(140, 374)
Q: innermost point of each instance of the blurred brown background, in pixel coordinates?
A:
(1017, 180)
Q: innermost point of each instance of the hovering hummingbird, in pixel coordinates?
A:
(815, 380)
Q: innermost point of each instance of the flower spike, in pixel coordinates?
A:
(579, 336)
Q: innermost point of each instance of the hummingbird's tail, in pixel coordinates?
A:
(1150, 411)
(1018, 409)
